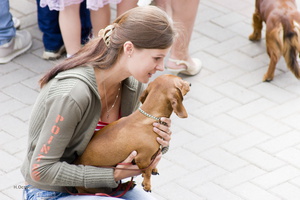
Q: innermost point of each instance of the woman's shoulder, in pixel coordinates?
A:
(78, 83)
(86, 73)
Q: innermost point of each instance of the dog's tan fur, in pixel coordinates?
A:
(282, 32)
(113, 144)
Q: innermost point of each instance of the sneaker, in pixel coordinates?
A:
(53, 55)
(16, 46)
(17, 22)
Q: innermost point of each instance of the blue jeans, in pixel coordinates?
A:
(7, 29)
(49, 25)
(31, 193)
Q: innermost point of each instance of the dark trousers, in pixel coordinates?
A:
(49, 25)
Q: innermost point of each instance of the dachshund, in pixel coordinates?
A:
(113, 143)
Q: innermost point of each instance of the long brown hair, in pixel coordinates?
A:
(146, 27)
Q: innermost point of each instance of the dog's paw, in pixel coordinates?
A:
(255, 36)
(267, 78)
(146, 188)
(155, 172)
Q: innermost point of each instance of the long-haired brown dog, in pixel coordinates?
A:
(282, 32)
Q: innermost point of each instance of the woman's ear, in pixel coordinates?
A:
(128, 48)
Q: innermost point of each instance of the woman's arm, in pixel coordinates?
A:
(47, 167)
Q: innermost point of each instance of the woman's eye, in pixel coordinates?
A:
(157, 58)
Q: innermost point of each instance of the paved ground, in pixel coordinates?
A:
(241, 140)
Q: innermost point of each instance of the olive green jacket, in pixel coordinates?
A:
(62, 123)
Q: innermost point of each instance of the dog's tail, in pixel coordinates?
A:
(291, 47)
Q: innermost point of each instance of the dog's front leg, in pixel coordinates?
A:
(257, 26)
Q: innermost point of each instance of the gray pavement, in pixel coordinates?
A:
(241, 140)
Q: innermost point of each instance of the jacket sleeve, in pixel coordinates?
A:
(47, 167)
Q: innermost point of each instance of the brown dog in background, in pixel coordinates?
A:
(282, 32)
(113, 144)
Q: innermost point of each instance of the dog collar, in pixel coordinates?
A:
(162, 149)
(148, 115)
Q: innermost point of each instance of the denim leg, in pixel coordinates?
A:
(7, 29)
(49, 25)
(31, 193)
(86, 25)
(134, 194)
(87, 197)
(138, 193)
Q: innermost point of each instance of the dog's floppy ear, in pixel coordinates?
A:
(176, 103)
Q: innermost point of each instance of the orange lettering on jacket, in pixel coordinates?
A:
(46, 148)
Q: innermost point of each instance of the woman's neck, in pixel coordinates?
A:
(111, 76)
(109, 89)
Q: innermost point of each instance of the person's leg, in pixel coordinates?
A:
(52, 39)
(86, 26)
(138, 193)
(17, 22)
(125, 5)
(88, 197)
(7, 29)
(165, 5)
(31, 192)
(12, 42)
(70, 26)
(100, 19)
(48, 24)
(183, 14)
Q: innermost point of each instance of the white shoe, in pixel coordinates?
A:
(17, 22)
(17, 45)
(189, 70)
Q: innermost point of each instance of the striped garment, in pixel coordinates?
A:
(100, 125)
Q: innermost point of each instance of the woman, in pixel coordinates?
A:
(98, 85)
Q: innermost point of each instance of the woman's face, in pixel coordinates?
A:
(143, 63)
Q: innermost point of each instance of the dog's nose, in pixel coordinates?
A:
(190, 84)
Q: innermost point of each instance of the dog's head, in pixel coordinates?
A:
(173, 87)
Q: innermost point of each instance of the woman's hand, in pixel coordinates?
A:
(127, 169)
(164, 131)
